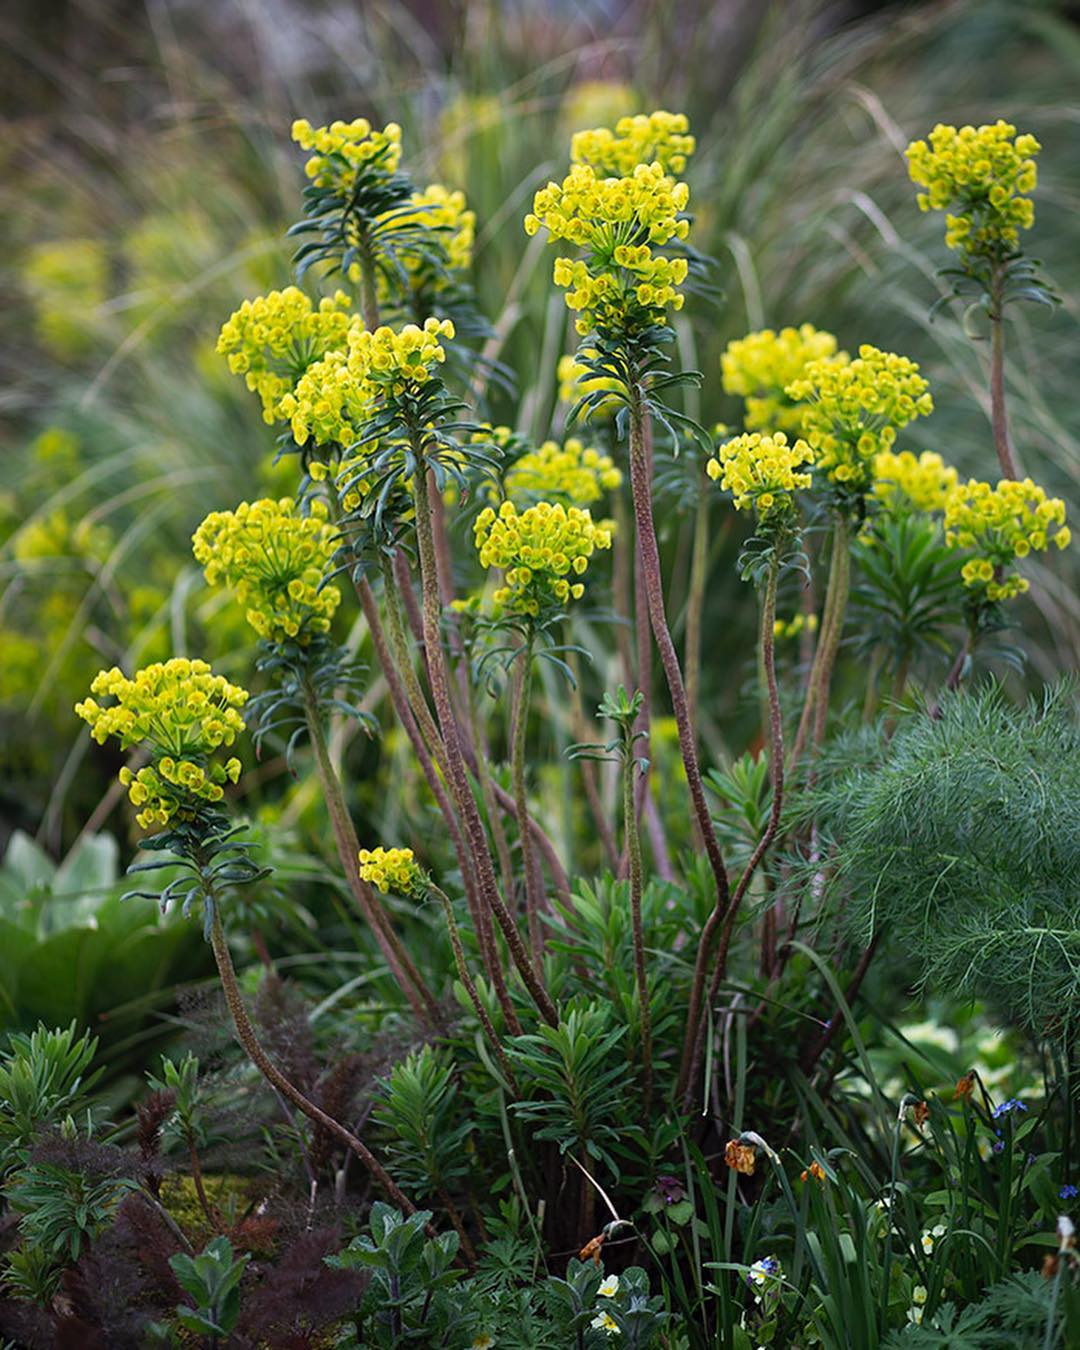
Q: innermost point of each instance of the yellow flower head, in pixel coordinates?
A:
(617, 223)
(761, 472)
(792, 627)
(56, 535)
(183, 712)
(999, 525)
(981, 175)
(855, 409)
(273, 339)
(392, 870)
(572, 473)
(902, 481)
(68, 286)
(759, 367)
(540, 551)
(659, 137)
(274, 560)
(575, 382)
(343, 149)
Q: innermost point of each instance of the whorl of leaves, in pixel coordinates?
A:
(960, 841)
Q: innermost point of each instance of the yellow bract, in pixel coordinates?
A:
(573, 473)
(999, 525)
(538, 550)
(792, 627)
(759, 367)
(394, 870)
(984, 172)
(902, 481)
(618, 222)
(274, 560)
(659, 136)
(183, 712)
(855, 409)
(273, 339)
(342, 148)
(761, 472)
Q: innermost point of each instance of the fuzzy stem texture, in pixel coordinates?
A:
(535, 900)
(633, 849)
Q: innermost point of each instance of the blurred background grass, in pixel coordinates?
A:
(148, 178)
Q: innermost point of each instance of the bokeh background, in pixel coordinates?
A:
(148, 178)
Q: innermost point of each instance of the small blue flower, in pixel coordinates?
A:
(1006, 1108)
(1068, 1193)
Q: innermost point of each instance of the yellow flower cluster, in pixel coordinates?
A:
(68, 286)
(984, 172)
(761, 472)
(274, 560)
(659, 137)
(56, 536)
(855, 409)
(537, 550)
(572, 385)
(440, 209)
(759, 367)
(335, 395)
(184, 713)
(393, 870)
(574, 473)
(618, 222)
(275, 338)
(999, 525)
(344, 148)
(792, 627)
(902, 481)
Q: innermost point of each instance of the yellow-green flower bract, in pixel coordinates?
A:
(617, 223)
(854, 410)
(335, 395)
(984, 173)
(343, 148)
(68, 285)
(659, 137)
(392, 870)
(761, 472)
(903, 481)
(574, 473)
(999, 525)
(273, 339)
(539, 550)
(759, 367)
(274, 560)
(183, 712)
(790, 628)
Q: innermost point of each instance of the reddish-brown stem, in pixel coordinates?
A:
(245, 1034)
(999, 420)
(640, 481)
(455, 761)
(815, 705)
(633, 850)
(409, 979)
(694, 1044)
(535, 900)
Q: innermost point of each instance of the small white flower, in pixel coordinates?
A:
(915, 1315)
(927, 1243)
(919, 1294)
(483, 1342)
(605, 1322)
(609, 1287)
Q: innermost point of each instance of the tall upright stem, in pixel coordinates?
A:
(455, 762)
(395, 624)
(695, 601)
(535, 899)
(397, 957)
(999, 420)
(816, 704)
(694, 1044)
(245, 1034)
(633, 850)
(640, 480)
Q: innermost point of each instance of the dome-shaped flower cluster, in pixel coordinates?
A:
(274, 338)
(659, 137)
(759, 367)
(573, 473)
(344, 148)
(394, 871)
(855, 409)
(618, 223)
(999, 525)
(984, 174)
(183, 713)
(762, 472)
(538, 550)
(274, 560)
(903, 481)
